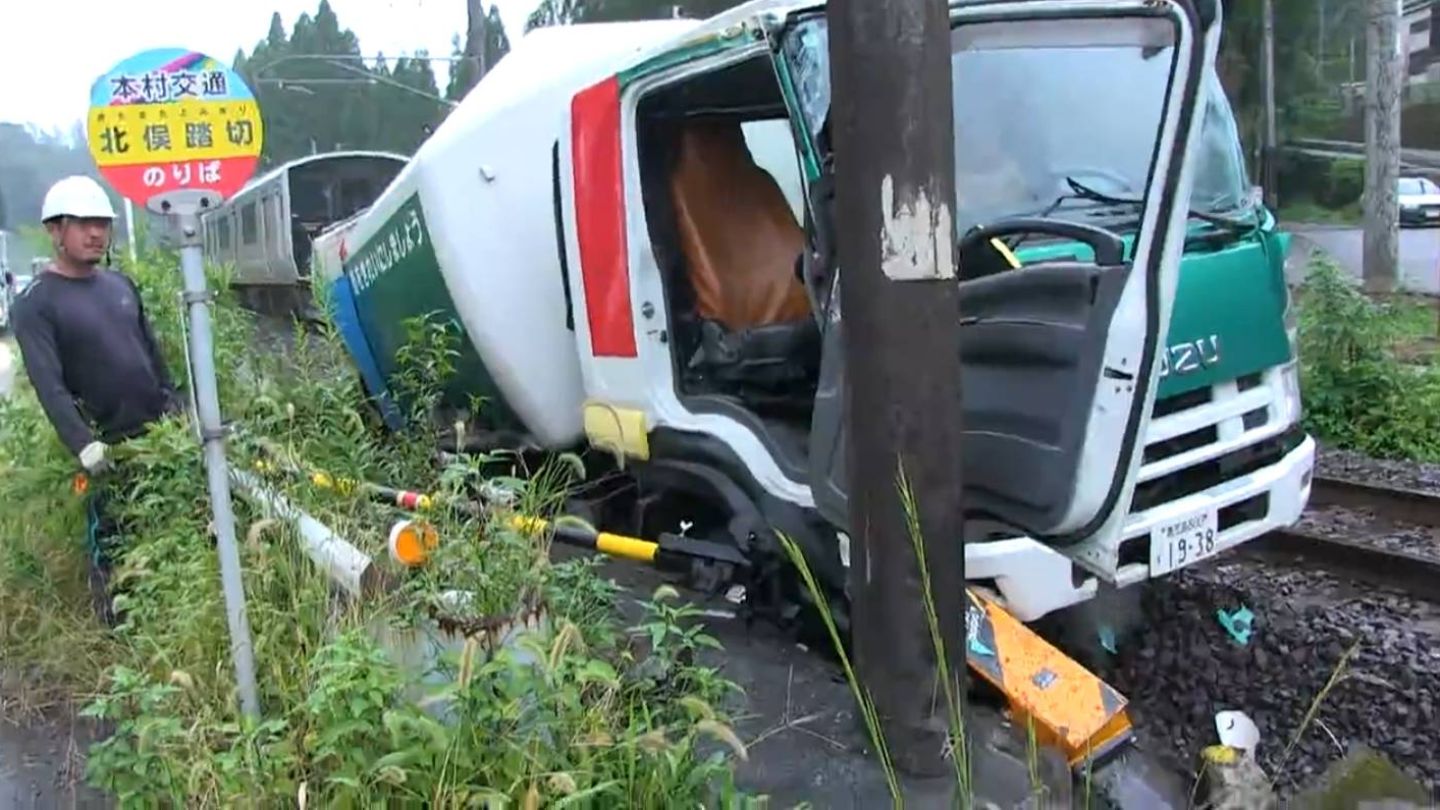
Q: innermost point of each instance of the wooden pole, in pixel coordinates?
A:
(895, 196)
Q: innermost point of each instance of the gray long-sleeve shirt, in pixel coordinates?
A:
(91, 356)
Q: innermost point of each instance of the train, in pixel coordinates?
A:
(266, 233)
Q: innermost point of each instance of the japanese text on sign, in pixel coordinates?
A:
(401, 237)
(158, 86)
(208, 172)
(150, 134)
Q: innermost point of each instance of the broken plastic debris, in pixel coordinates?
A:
(1220, 755)
(1237, 731)
(1238, 624)
(1107, 638)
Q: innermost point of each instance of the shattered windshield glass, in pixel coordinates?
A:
(1030, 120)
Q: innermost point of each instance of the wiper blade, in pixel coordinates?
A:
(1236, 227)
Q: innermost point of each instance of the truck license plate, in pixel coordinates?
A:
(1183, 542)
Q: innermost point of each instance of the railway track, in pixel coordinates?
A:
(1414, 573)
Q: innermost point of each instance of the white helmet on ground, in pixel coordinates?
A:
(76, 196)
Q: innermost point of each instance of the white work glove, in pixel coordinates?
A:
(94, 458)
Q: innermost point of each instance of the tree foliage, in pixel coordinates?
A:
(1313, 48)
(32, 160)
(318, 93)
(485, 43)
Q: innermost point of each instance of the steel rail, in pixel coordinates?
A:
(1415, 574)
(1391, 503)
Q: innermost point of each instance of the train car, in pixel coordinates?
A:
(265, 234)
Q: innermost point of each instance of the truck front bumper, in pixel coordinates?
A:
(1031, 579)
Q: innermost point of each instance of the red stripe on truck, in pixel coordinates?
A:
(600, 219)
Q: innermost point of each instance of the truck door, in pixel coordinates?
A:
(1059, 356)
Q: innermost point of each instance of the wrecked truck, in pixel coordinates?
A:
(630, 226)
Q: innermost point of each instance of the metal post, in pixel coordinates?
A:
(130, 230)
(202, 361)
(1269, 178)
(895, 194)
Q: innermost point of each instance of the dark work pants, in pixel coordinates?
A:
(102, 540)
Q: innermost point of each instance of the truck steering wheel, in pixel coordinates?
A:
(1108, 246)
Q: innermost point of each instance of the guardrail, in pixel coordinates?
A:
(1410, 158)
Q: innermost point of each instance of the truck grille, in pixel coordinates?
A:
(1202, 438)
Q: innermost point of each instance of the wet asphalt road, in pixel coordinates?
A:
(1419, 254)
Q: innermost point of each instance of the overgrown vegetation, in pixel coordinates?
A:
(1358, 392)
(1321, 190)
(542, 698)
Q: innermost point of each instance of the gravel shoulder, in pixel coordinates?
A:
(1415, 475)
(1179, 666)
(1351, 524)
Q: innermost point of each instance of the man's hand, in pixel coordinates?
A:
(95, 458)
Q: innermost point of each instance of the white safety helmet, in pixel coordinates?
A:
(76, 196)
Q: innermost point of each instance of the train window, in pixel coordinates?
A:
(248, 232)
(222, 234)
(355, 194)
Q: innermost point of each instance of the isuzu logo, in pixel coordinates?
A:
(1189, 357)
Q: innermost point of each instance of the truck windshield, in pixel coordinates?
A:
(1033, 122)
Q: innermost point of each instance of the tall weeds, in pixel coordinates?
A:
(576, 712)
(1357, 394)
(958, 747)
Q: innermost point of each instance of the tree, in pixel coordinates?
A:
(556, 12)
(1311, 52)
(485, 44)
(318, 94)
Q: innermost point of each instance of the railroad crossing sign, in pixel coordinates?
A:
(174, 130)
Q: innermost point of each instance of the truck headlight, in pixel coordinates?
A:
(1290, 384)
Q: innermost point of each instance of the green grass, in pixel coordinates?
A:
(1308, 212)
(577, 713)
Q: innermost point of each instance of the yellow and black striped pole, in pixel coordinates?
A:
(670, 552)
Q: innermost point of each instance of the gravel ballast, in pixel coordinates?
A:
(1179, 666)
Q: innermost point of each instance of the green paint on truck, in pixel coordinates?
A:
(1228, 318)
(396, 276)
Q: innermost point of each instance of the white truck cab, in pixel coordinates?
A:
(630, 223)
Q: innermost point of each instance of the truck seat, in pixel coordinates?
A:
(736, 231)
(755, 338)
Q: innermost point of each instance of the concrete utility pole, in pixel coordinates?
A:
(895, 198)
(1381, 201)
(1270, 178)
(475, 37)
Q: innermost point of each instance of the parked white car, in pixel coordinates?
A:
(1419, 201)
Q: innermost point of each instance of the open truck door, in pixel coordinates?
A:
(1060, 355)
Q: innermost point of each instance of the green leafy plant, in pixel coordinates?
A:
(1357, 394)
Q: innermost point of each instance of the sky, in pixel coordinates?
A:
(51, 51)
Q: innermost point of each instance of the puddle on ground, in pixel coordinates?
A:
(42, 766)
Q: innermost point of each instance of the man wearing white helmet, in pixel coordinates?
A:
(86, 342)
